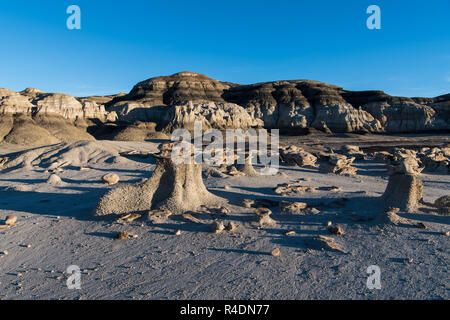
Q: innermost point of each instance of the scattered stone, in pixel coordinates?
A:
(290, 233)
(336, 230)
(337, 164)
(235, 172)
(312, 210)
(123, 236)
(326, 243)
(262, 211)
(275, 252)
(446, 233)
(217, 227)
(443, 204)
(178, 233)
(10, 220)
(293, 207)
(390, 216)
(231, 226)
(247, 203)
(286, 188)
(191, 218)
(297, 156)
(129, 217)
(3, 162)
(408, 165)
(111, 178)
(164, 213)
(263, 217)
(353, 151)
(215, 210)
(3, 253)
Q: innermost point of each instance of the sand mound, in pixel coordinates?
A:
(24, 131)
(68, 154)
(174, 187)
(55, 180)
(138, 134)
(62, 129)
(40, 131)
(6, 125)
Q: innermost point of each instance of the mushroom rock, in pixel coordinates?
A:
(174, 186)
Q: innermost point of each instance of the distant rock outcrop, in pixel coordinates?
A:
(34, 102)
(287, 105)
(178, 100)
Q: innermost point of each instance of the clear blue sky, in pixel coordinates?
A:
(243, 41)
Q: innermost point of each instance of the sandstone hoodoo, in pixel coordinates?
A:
(405, 189)
(177, 187)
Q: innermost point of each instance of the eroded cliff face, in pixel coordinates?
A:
(33, 102)
(292, 106)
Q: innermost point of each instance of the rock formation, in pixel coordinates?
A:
(178, 100)
(405, 189)
(177, 187)
(297, 156)
(288, 105)
(337, 163)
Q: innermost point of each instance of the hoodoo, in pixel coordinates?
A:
(174, 186)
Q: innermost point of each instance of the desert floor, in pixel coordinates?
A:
(56, 229)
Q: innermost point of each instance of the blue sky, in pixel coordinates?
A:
(243, 41)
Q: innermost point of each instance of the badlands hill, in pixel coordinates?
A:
(35, 117)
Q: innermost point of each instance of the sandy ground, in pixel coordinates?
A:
(56, 229)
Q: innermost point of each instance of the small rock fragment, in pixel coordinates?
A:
(336, 230)
(217, 227)
(290, 233)
(231, 226)
(275, 252)
(10, 220)
(128, 217)
(421, 225)
(247, 203)
(191, 218)
(123, 236)
(111, 178)
(326, 243)
(178, 233)
(294, 207)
